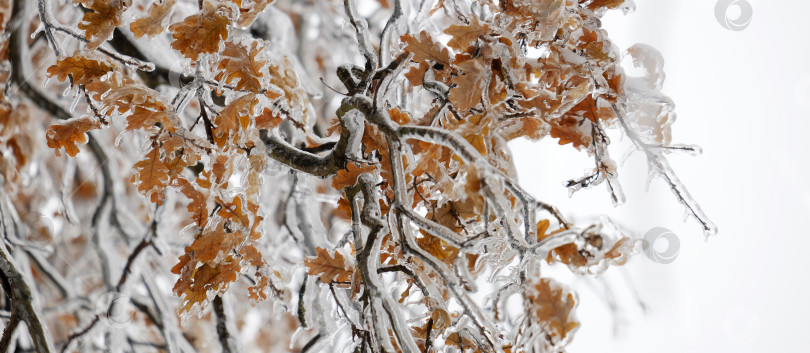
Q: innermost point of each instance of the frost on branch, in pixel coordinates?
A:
(371, 211)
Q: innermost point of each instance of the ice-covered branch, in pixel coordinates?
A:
(659, 165)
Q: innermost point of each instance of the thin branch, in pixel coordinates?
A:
(661, 166)
(225, 339)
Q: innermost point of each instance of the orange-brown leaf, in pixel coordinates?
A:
(329, 268)
(553, 306)
(82, 67)
(151, 175)
(198, 204)
(195, 288)
(154, 22)
(215, 241)
(268, 119)
(425, 48)
(239, 62)
(568, 129)
(202, 33)
(233, 211)
(348, 177)
(68, 133)
(144, 119)
(466, 35)
(100, 21)
(398, 116)
(234, 117)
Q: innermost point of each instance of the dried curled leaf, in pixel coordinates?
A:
(100, 21)
(155, 20)
(329, 268)
(68, 133)
(202, 33)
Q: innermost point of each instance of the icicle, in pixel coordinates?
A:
(39, 29)
(119, 138)
(75, 102)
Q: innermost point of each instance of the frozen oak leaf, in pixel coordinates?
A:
(143, 118)
(151, 175)
(100, 21)
(249, 10)
(569, 129)
(469, 86)
(553, 306)
(198, 204)
(212, 245)
(425, 48)
(194, 285)
(68, 133)
(154, 22)
(348, 177)
(239, 63)
(466, 35)
(329, 268)
(203, 32)
(82, 67)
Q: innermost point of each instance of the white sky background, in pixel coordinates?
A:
(744, 96)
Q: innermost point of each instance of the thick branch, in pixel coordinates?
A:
(22, 300)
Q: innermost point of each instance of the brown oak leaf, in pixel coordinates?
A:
(466, 35)
(68, 133)
(469, 86)
(198, 204)
(239, 63)
(203, 32)
(329, 268)
(154, 22)
(348, 177)
(100, 21)
(82, 67)
(553, 306)
(151, 175)
(425, 48)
